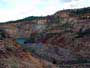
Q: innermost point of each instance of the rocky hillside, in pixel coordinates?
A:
(61, 19)
(12, 55)
(61, 39)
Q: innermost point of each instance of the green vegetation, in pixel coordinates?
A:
(2, 34)
(25, 19)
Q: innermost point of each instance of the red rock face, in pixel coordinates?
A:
(14, 55)
(65, 38)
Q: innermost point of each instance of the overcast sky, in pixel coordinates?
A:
(16, 9)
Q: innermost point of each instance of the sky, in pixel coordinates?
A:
(18, 9)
